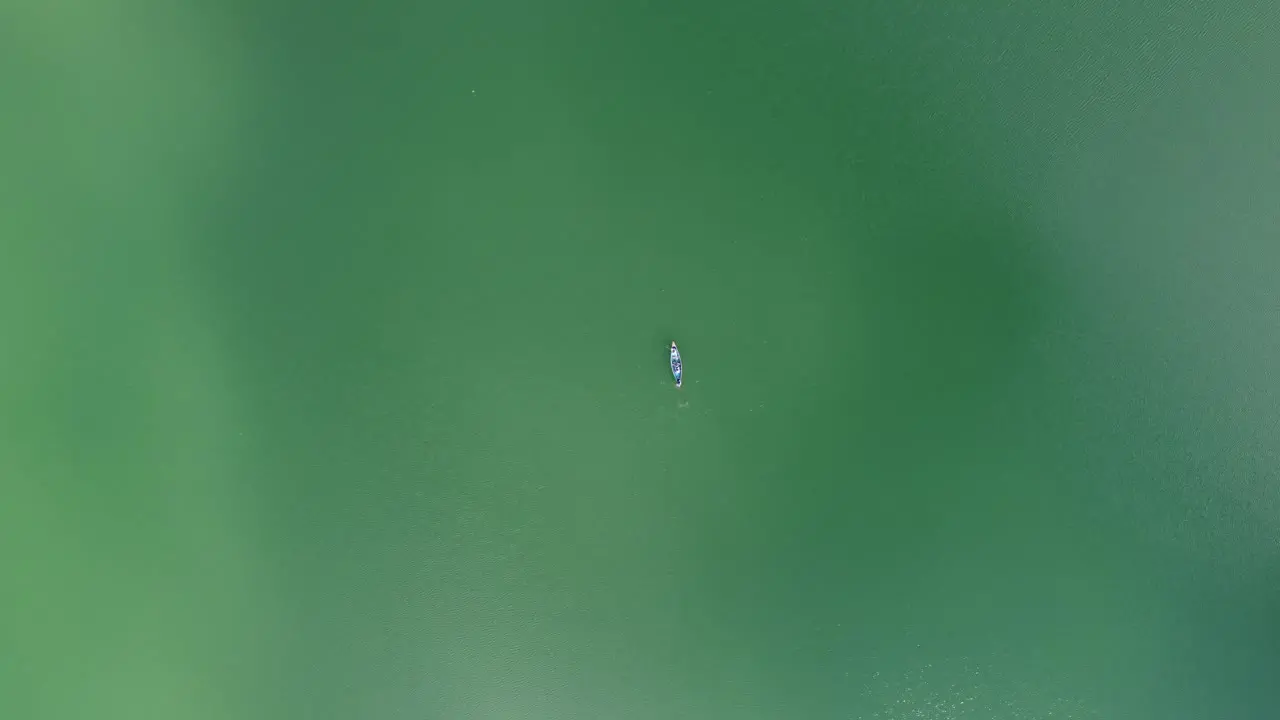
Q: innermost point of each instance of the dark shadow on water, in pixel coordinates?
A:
(947, 293)
(949, 297)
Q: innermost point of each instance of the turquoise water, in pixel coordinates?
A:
(336, 379)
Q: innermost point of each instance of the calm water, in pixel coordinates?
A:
(335, 380)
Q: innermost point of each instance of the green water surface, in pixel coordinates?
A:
(334, 373)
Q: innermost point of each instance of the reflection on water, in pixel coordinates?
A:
(964, 689)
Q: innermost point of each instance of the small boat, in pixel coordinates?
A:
(675, 362)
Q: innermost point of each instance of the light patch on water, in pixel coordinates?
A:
(1166, 224)
(140, 588)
